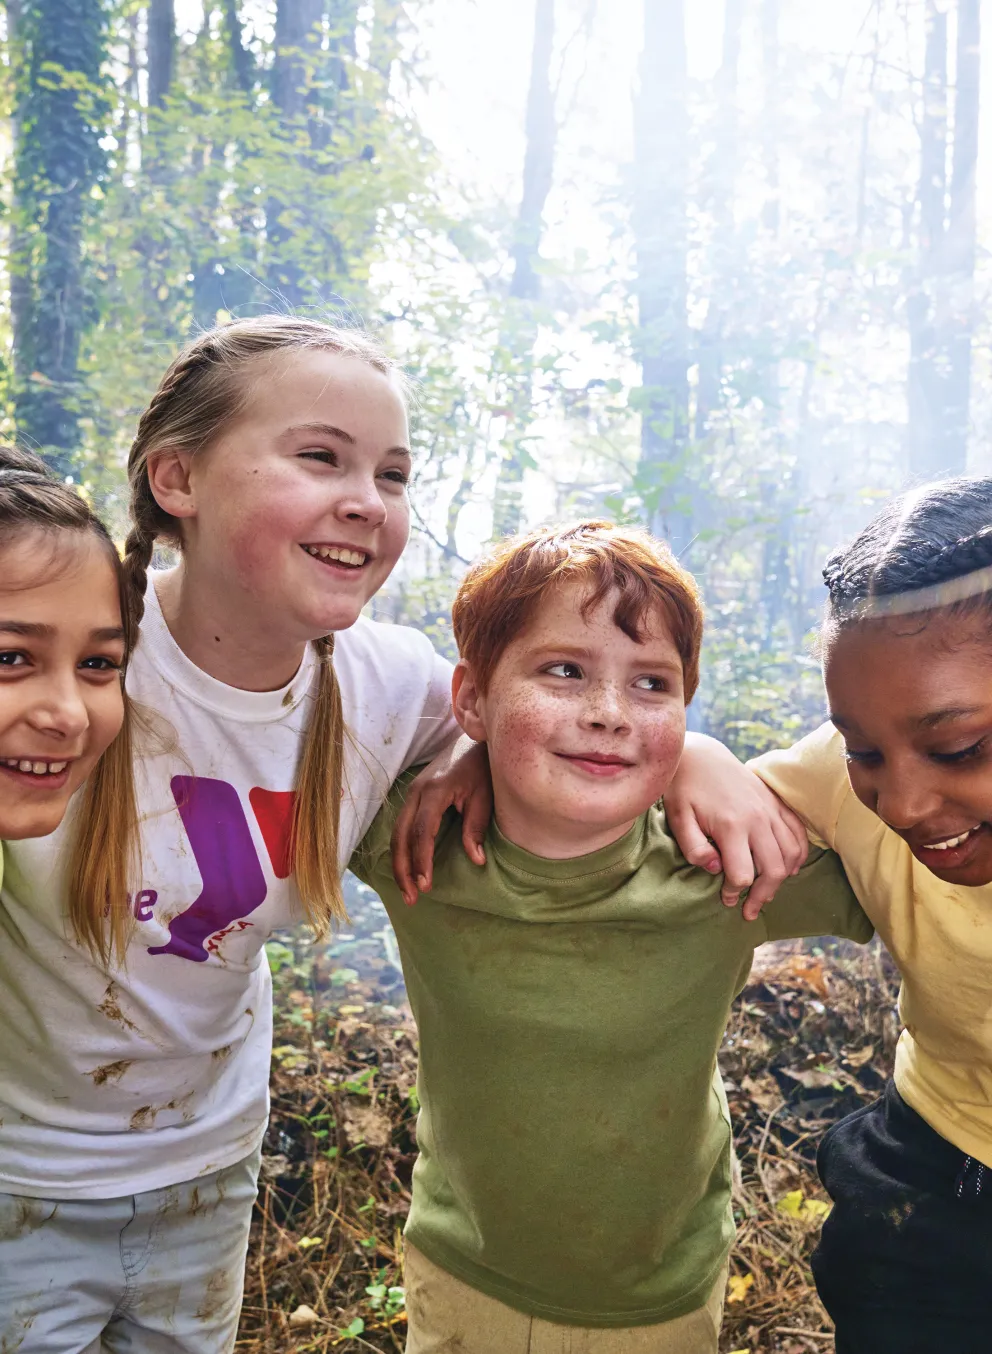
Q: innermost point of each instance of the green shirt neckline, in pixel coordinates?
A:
(571, 868)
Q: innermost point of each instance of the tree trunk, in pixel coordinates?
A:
(723, 189)
(296, 43)
(539, 157)
(297, 48)
(771, 119)
(20, 234)
(520, 332)
(241, 59)
(926, 396)
(961, 235)
(660, 234)
(58, 161)
(161, 50)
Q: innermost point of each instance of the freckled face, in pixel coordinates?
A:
(301, 508)
(584, 726)
(61, 650)
(913, 700)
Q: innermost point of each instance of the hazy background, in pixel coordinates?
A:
(719, 267)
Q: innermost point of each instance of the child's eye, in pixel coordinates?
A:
(964, 755)
(651, 684)
(319, 454)
(861, 758)
(12, 658)
(396, 477)
(570, 670)
(100, 663)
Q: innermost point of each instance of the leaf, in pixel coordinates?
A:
(303, 1316)
(356, 1328)
(791, 1203)
(738, 1285)
(305, 1242)
(795, 1205)
(816, 1209)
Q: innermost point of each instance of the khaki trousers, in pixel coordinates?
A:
(445, 1315)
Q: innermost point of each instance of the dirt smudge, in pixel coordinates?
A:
(110, 1072)
(111, 1008)
(216, 1297)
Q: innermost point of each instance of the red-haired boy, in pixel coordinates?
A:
(573, 1187)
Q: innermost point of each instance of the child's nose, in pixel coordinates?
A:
(605, 707)
(60, 708)
(905, 801)
(361, 501)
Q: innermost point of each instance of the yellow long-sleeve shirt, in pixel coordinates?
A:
(939, 934)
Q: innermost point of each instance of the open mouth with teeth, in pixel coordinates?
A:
(337, 554)
(30, 767)
(949, 843)
(949, 854)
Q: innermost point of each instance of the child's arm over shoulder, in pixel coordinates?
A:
(818, 901)
(811, 777)
(370, 860)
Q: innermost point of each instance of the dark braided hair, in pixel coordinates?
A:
(104, 846)
(923, 538)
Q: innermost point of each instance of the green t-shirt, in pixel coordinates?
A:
(574, 1134)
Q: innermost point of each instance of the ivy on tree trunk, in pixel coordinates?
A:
(60, 113)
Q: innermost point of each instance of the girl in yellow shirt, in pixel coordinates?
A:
(899, 783)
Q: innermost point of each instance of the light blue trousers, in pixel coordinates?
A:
(155, 1273)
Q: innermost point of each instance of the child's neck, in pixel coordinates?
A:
(555, 838)
(215, 636)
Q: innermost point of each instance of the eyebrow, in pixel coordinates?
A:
(572, 651)
(329, 430)
(931, 721)
(953, 712)
(37, 630)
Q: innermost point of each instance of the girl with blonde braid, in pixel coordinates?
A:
(133, 1094)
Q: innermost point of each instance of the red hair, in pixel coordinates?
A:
(499, 595)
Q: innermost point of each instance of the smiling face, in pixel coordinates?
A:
(298, 513)
(913, 700)
(61, 651)
(584, 725)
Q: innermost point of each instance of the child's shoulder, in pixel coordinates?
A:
(369, 640)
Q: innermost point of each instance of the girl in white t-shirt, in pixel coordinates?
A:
(65, 634)
(133, 1095)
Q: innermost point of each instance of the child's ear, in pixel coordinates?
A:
(466, 701)
(169, 481)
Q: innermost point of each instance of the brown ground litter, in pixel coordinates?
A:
(811, 1038)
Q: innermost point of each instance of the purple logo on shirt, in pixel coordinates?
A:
(233, 882)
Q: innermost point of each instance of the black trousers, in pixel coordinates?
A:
(904, 1264)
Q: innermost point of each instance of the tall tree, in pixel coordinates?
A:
(61, 111)
(940, 305)
(722, 192)
(161, 50)
(517, 345)
(661, 157)
(961, 228)
(539, 156)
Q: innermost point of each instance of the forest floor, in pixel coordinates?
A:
(811, 1038)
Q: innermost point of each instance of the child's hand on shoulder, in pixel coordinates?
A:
(457, 778)
(724, 818)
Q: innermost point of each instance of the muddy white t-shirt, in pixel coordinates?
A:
(112, 1085)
